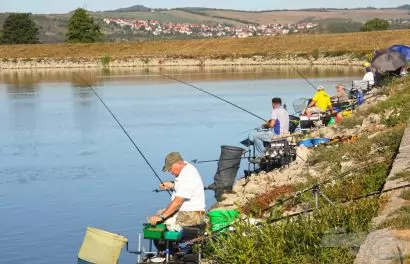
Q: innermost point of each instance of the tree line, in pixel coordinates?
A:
(20, 28)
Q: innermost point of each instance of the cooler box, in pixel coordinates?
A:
(220, 218)
(101, 247)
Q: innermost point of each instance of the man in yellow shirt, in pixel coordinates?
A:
(320, 102)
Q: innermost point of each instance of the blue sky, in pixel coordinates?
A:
(55, 6)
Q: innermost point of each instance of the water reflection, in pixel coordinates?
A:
(24, 101)
(19, 82)
(85, 112)
(81, 78)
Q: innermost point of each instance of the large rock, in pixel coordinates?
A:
(302, 154)
(328, 132)
(253, 188)
(238, 188)
(350, 132)
(381, 247)
(228, 199)
(371, 119)
(382, 98)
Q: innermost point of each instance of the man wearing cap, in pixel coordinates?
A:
(188, 197)
(320, 102)
(341, 95)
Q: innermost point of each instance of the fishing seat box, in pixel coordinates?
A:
(308, 123)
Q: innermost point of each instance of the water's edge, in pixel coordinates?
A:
(32, 63)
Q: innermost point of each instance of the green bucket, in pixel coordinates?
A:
(220, 218)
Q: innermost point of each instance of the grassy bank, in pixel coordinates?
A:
(358, 44)
(332, 233)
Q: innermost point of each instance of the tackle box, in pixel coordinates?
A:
(172, 235)
(154, 231)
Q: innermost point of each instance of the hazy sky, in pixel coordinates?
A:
(56, 6)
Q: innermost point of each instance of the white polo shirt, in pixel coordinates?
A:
(283, 116)
(369, 76)
(189, 185)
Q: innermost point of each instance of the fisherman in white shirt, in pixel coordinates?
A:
(369, 76)
(188, 198)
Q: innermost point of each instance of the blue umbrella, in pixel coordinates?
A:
(403, 49)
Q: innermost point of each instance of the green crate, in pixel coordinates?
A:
(154, 232)
(172, 235)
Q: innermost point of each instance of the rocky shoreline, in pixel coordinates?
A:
(245, 189)
(108, 62)
(388, 239)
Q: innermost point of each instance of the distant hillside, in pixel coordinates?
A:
(295, 16)
(407, 7)
(134, 8)
(53, 27)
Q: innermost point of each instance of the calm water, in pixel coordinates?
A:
(66, 165)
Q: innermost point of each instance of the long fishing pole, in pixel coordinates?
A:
(314, 87)
(122, 127)
(196, 161)
(211, 94)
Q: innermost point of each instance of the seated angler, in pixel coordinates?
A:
(188, 198)
(369, 77)
(320, 102)
(277, 125)
(341, 98)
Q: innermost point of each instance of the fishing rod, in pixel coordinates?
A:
(314, 87)
(211, 94)
(196, 161)
(121, 126)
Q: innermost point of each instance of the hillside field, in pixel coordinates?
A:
(333, 44)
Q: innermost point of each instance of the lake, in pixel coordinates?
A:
(65, 164)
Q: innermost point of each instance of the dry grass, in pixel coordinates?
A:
(257, 205)
(216, 48)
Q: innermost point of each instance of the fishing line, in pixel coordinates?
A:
(314, 87)
(122, 127)
(196, 161)
(211, 94)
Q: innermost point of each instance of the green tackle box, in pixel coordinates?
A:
(154, 231)
(172, 235)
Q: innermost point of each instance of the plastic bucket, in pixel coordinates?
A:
(306, 142)
(100, 246)
(220, 218)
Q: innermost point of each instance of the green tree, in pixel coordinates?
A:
(81, 28)
(19, 28)
(375, 25)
